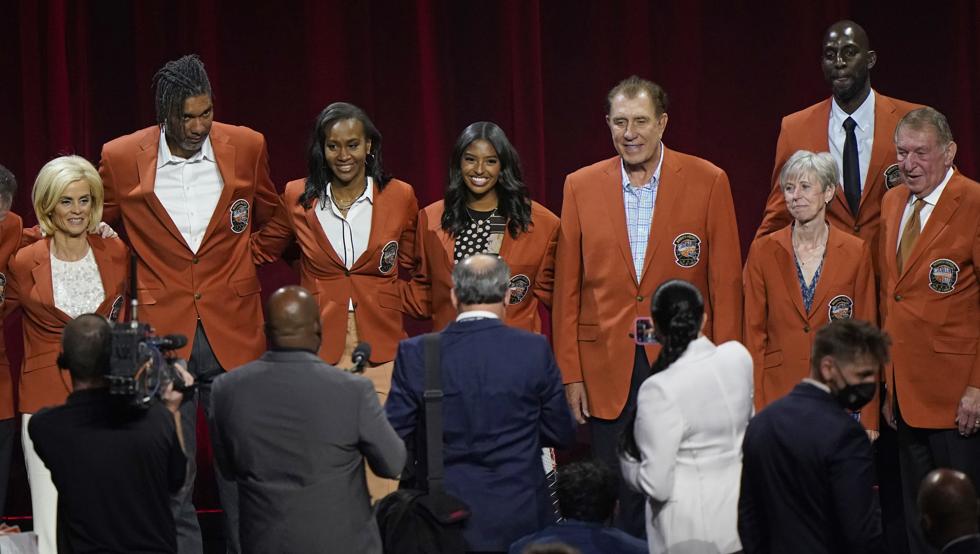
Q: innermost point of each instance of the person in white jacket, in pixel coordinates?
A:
(685, 450)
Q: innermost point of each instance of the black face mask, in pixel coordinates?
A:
(854, 397)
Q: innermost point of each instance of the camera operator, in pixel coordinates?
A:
(115, 466)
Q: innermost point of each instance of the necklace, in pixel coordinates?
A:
(344, 206)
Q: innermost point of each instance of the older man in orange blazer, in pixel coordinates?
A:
(188, 192)
(930, 303)
(628, 224)
(846, 61)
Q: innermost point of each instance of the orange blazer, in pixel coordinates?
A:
(218, 284)
(10, 236)
(779, 331)
(41, 382)
(597, 298)
(932, 309)
(807, 130)
(531, 257)
(372, 282)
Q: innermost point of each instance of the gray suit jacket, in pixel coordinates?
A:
(293, 432)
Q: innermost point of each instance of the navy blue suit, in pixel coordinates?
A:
(503, 401)
(807, 479)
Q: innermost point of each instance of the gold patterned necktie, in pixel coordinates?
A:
(909, 234)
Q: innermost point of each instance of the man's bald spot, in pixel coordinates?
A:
(480, 263)
(850, 28)
(292, 311)
(946, 492)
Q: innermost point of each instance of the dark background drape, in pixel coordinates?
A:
(74, 75)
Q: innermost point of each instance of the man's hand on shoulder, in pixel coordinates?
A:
(578, 401)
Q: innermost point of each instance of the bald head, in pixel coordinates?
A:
(847, 59)
(293, 319)
(850, 29)
(948, 506)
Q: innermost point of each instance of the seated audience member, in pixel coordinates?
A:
(807, 476)
(295, 432)
(115, 466)
(503, 400)
(686, 458)
(948, 507)
(587, 499)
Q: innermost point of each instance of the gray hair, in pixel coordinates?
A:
(481, 279)
(918, 119)
(818, 164)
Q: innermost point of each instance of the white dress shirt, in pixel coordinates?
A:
(931, 200)
(476, 314)
(864, 132)
(348, 235)
(189, 189)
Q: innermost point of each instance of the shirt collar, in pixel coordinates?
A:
(654, 179)
(864, 116)
(476, 314)
(818, 384)
(933, 197)
(367, 196)
(164, 156)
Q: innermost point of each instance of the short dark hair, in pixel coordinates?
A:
(633, 86)
(8, 184)
(481, 279)
(177, 81)
(86, 345)
(845, 340)
(677, 308)
(587, 491)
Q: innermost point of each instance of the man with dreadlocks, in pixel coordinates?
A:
(187, 191)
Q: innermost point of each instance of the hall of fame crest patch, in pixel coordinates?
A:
(893, 177)
(687, 249)
(840, 307)
(519, 285)
(239, 215)
(942, 275)
(389, 255)
(117, 305)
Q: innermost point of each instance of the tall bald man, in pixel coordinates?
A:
(948, 503)
(294, 433)
(855, 125)
(930, 302)
(628, 224)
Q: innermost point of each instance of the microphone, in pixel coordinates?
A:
(360, 356)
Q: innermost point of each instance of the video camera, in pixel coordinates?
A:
(141, 364)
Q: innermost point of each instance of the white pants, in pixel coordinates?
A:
(44, 497)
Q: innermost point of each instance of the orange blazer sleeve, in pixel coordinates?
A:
(776, 216)
(755, 315)
(568, 286)
(544, 280)
(724, 264)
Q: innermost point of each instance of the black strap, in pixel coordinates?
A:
(433, 411)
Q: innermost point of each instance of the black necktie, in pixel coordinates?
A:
(852, 175)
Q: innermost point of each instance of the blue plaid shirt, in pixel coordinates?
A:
(639, 202)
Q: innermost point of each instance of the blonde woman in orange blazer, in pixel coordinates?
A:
(67, 273)
(485, 189)
(836, 268)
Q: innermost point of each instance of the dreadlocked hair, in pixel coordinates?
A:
(177, 81)
(678, 309)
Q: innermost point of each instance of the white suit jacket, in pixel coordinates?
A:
(690, 421)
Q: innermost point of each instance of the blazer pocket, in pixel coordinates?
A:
(588, 332)
(772, 359)
(38, 361)
(246, 287)
(389, 300)
(954, 345)
(147, 296)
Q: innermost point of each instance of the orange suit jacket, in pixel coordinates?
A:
(42, 383)
(218, 284)
(372, 283)
(597, 296)
(807, 130)
(10, 236)
(932, 309)
(531, 258)
(778, 331)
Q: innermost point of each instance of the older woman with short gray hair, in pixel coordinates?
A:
(802, 277)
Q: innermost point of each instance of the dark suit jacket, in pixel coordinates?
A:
(807, 479)
(294, 433)
(501, 405)
(969, 545)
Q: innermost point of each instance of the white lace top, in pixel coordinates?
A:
(77, 285)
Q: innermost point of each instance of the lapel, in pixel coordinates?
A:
(882, 149)
(611, 194)
(831, 268)
(316, 229)
(43, 287)
(146, 163)
(107, 271)
(941, 214)
(225, 157)
(445, 239)
(786, 262)
(669, 190)
(380, 207)
(892, 221)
